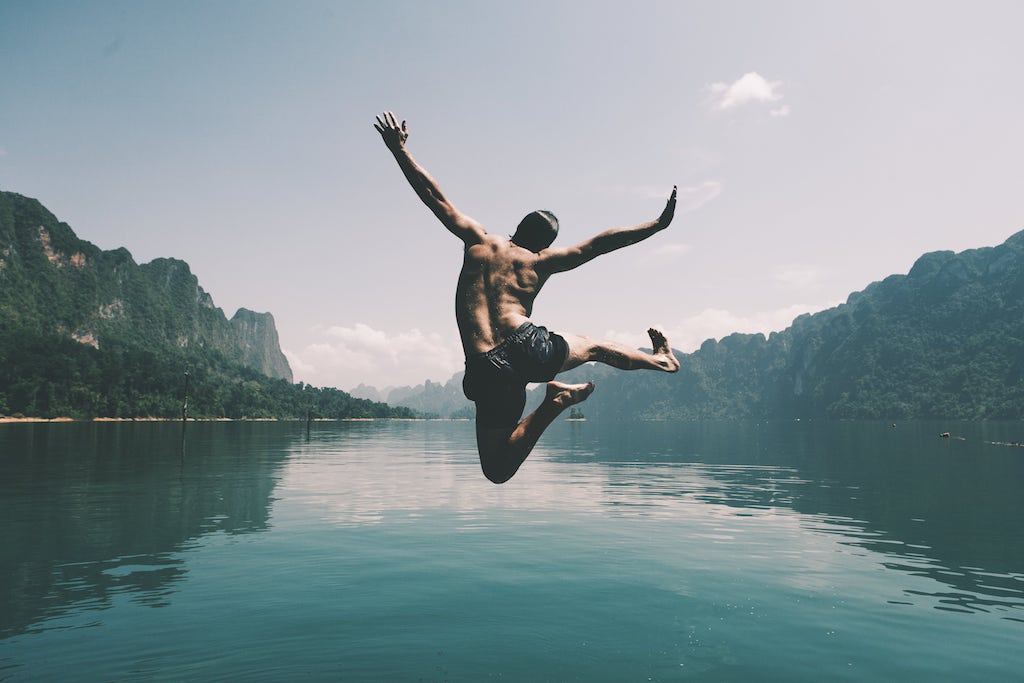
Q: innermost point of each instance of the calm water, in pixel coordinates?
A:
(376, 551)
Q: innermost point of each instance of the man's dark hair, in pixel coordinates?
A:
(537, 231)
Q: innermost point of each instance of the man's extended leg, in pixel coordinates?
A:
(585, 349)
(503, 450)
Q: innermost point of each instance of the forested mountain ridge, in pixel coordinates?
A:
(946, 340)
(86, 332)
(52, 281)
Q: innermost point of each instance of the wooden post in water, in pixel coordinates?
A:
(184, 416)
(309, 419)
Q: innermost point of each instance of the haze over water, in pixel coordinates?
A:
(376, 550)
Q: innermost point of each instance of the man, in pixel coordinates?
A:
(494, 297)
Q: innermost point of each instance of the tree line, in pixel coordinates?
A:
(49, 376)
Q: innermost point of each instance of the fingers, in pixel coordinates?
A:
(670, 209)
(387, 126)
(389, 121)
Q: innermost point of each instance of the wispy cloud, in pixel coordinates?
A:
(750, 88)
(693, 197)
(345, 357)
(688, 334)
(797, 276)
(688, 198)
(669, 252)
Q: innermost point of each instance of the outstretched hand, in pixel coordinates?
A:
(670, 210)
(393, 134)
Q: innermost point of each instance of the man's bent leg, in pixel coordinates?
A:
(503, 450)
(585, 349)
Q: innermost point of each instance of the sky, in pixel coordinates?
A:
(817, 147)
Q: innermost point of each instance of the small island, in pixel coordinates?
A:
(576, 415)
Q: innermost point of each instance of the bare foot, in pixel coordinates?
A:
(662, 350)
(565, 395)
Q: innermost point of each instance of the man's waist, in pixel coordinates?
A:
(515, 337)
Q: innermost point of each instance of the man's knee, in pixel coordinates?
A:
(581, 350)
(495, 465)
(495, 475)
(493, 447)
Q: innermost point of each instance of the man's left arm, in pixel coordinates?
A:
(561, 259)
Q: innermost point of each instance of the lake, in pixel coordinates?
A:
(362, 551)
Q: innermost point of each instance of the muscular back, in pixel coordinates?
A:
(495, 293)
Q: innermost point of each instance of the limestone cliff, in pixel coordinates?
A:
(256, 338)
(53, 282)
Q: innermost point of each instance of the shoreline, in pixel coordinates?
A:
(37, 420)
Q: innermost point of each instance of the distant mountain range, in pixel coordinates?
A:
(86, 332)
(945, 340)
(430, 399)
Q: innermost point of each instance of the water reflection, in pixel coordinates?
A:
(945, 509)
(88, 511)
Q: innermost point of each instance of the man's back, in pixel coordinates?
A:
(495, 293)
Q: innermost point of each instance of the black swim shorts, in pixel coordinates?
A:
(496, 380)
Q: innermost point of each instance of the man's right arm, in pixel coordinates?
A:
(460, 225)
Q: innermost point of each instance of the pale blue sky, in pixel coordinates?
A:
(818, 146)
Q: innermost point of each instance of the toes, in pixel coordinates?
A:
(658, 341)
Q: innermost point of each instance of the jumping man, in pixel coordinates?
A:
(494, 297)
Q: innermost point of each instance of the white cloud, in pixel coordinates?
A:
(345, 357)
(747, 89)
(688, 334)
(669, 252)
(779, 112)
(797, 276)
(299, 367)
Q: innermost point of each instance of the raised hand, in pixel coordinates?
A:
(670, 210)
(393, 134)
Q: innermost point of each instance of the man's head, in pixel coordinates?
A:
(537, 231)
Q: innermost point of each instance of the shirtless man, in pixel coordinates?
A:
(494, 297)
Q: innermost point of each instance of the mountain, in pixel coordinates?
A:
(945, 340)
(86, 332)
(434, 399)
(256, 340)
(430, 399)
(52, 281)
(367, 392)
